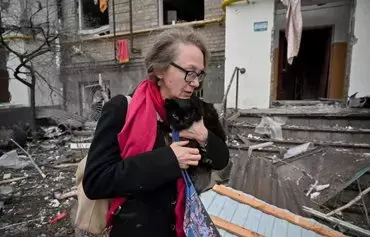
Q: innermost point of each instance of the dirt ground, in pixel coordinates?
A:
(32, 203)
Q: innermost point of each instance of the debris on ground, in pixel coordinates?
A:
(34, 206)
(296, 150)
(271, 127)
(11, 160)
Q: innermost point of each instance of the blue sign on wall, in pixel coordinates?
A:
(260, 26)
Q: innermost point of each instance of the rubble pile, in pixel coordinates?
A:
(37, 182)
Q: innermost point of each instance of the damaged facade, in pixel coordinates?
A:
(294, 142)
(93, 36)
(332, 62)
(29, 59)
(309, 160)
(20, 21)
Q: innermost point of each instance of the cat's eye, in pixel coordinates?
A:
(175, 116)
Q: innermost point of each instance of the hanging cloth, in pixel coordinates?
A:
(293, 28)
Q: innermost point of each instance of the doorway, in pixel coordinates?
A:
(307, 78)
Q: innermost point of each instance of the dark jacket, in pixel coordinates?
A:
(148, 180)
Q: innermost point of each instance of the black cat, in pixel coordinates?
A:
(181, 114)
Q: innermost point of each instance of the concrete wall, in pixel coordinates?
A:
(360, 69)
(250, 49)
(84, 57)
(335, 14)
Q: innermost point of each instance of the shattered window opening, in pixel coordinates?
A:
(179, 11)
(91, 16)
(93, 97)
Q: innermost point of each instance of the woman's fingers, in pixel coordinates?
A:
(181, 143)
(193, 163)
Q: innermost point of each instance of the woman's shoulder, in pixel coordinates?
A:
(117, 100)
(208, 108)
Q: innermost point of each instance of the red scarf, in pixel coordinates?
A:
(141, 121)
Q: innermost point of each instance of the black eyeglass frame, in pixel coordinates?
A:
(201, 75)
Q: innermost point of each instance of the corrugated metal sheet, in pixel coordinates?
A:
(259, 177)
(330, 166)
(250, 218)
(284, 184)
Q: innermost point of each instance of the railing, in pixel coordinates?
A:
(236, 72)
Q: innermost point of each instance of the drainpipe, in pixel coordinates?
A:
(114, 31)
(133, 50)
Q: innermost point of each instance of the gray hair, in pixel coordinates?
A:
(165, 48)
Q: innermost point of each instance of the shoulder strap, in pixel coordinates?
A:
(128, 99)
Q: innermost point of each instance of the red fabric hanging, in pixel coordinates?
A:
(122, 51)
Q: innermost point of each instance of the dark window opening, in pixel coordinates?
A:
(92, 17)
(182, 11)
(307, 77)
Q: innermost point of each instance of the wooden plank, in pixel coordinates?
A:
(277, 212)
(232, 228)
(6, 181)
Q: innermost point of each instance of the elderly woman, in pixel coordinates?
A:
(129, 160)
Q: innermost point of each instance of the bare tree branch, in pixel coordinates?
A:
(356, 199)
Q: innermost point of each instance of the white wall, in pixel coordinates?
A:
(19, 91)
(249, 49)
(360, 66)
(335, 14)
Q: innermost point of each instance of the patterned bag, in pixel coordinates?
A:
(197, 222)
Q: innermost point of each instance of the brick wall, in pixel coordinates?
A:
(97, 53)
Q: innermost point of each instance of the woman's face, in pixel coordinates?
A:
(172, 80)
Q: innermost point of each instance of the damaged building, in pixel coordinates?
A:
(298, 133)
(29, 58)
(20, 21)
(328, 40)
(287, 75)
(109, 42)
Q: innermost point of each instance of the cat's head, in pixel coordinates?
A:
(182, 113)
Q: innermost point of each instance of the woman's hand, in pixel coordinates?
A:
(186, 156)
(197, 132)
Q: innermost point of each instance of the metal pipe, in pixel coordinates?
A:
(224, 106)
(114, 31)
(131, 27)
(237, 90)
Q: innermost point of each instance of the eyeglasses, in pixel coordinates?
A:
(191, 75)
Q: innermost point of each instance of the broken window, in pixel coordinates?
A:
(93, 96)
(92, 17)
(177, 11)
